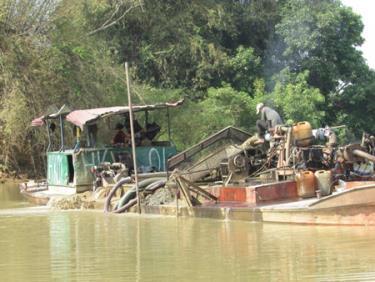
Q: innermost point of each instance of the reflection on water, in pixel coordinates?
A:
(92, 246)
(10, 196)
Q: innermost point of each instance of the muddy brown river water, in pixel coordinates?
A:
(41, 245)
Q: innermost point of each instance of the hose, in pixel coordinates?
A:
(127, 206)
(128, 200)
(150, 188)
(121, 182)
(133, 191)
(156, 185)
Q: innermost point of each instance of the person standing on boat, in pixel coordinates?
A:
(269, 118)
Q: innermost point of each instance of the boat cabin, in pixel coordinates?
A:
(86, 138)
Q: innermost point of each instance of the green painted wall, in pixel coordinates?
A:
(58, 167)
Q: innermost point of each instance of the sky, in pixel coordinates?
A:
(366, 8)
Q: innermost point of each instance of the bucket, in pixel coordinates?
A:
(323, 182)
(305, 184)
(302, 133)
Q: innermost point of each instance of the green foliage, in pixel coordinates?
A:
(196, 120)
(226, 106)
(224, 57)
(192, 44)
(354, 104)
(244, 69)
(321, 36)
(299, 101)
(223, 107)
(36, 72)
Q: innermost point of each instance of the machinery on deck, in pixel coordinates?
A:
(290, 149)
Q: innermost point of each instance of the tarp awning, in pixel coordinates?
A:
(38, 121)
(82, 117)
(53, 114)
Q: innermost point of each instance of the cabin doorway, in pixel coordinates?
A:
(70, 168)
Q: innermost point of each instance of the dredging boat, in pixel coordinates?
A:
(299, 176)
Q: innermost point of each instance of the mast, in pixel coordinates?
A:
(132, 138)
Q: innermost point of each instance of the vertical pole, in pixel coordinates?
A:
(49, 136)
(88, 136)
(177, 192)
(132, 137)
(169, 139)
(62, 148)
(146, 119)
(169, 126)
(77, 146)
(48, 149)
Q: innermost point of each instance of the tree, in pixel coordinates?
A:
(243, 69)
(40, 67)
(322, 37)
(354, 104)
(298, 101)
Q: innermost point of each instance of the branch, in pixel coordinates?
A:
(112, 16)
(107, 25)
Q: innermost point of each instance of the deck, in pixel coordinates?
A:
(273, 202)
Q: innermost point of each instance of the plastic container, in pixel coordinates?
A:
(323, 182)
(305, 184)
(302, 133)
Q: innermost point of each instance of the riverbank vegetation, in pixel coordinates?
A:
(223, 57)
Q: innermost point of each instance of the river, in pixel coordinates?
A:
(41, 245)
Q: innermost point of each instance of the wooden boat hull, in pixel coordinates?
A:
(355, 206)
(345, 215)
(35, 198)
(40, 193)
(275, 202)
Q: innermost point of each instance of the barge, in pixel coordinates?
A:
(228, 176)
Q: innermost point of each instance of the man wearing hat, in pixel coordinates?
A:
(269, 118)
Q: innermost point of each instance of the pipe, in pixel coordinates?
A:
(127, 206)
(146, 175)
(113, 191)
(156, 185)
(150, 188)
(132, 192)
(362, 154)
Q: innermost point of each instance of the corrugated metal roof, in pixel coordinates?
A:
(82, 117)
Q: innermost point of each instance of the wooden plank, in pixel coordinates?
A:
(198, 189)
(185, 192)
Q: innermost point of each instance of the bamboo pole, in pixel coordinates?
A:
(132, 138)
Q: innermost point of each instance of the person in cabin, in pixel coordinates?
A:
(121, 137)
(269, 118)
(138, 130)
